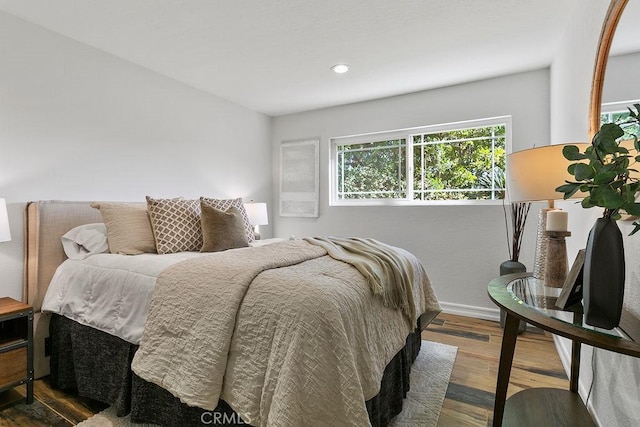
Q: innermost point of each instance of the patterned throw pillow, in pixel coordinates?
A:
(176, 224)
(224, 204)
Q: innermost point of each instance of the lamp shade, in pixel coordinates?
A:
(534, 174)
(257, 213)
(5, 231)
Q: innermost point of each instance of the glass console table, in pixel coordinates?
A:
(525, 298)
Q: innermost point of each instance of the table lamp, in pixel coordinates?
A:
(533, 175)
(5, 231)
(257, 213)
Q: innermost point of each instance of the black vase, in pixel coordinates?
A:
(509, 267)
(603, 289)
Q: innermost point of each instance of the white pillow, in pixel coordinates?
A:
(85, 240)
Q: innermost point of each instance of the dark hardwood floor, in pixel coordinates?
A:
(469, 399)
(50, 407)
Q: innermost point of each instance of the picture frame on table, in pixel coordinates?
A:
(571, 292)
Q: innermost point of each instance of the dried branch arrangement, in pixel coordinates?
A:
(519, 213)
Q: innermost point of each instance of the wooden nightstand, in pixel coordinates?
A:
(16, 345)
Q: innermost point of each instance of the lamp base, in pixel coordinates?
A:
(556, 268)
(540, 259)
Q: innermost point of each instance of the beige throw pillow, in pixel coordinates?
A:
(224, 204)
(222, 230)
(175, 224)
(128, 227)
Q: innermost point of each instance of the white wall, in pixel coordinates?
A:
(615, 395)
(619, 81)
(572, 72)
(461, 246)
(79, 124)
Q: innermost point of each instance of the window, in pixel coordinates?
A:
(616, 112)
(372, 170)
(452, 163)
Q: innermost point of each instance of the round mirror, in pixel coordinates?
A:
(611, 93)
(619, 55)
(602, 55)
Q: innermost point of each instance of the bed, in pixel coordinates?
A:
(99, 364)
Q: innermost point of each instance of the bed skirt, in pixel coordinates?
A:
(98, 366)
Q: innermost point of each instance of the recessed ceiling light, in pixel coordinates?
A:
(340, 68)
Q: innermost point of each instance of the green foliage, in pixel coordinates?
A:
(371, 170)
(604, 170)
(455, 165)
(462, 160)
(620, 117)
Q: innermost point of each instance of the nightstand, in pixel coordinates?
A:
(525, 298)
(16, 345)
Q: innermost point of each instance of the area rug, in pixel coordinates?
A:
(429, 380)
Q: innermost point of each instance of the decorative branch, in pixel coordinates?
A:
(518, 213)
(506, 227)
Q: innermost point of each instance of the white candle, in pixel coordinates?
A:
(557, 220)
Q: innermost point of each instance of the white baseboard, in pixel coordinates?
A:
(471, 311)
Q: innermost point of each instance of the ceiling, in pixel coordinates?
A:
(274, 56)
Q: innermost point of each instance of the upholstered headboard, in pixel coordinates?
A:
(45, 222)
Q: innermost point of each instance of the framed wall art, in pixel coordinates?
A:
(299, 178)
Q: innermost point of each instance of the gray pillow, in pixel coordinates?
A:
(85, 240)
(222, 230)
(224, 204)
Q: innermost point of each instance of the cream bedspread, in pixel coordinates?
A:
(303, 345)
(389, 273)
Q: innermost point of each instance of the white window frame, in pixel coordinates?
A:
(617, 107)
(407, 134)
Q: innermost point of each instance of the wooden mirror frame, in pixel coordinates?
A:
(616, 7)
(629, 323)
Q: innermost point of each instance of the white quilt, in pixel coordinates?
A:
(109, 292)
